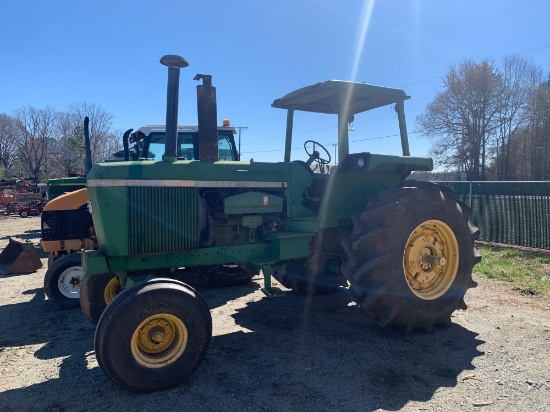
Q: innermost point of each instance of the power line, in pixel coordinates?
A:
(382, 137)
(267, 120)
(544, 46)
(332, 144)
(335, 127)
(421, 81)
(534, 49)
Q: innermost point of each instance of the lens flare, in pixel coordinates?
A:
(346, 115)
(366, 14)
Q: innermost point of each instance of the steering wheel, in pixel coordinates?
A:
(314, 156)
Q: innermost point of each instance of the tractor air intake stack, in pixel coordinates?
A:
(88, 158)
(207, 113)
(174, 64)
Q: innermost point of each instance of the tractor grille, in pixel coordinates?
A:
(163, 219)
(66, 224)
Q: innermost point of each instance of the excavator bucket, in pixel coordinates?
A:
(19, 257)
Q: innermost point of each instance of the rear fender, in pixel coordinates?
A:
(359, 176)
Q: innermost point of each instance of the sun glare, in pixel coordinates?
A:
(361, 36)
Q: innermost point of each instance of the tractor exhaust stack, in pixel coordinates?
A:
(174, 64)
(207, 113)
(87, 145)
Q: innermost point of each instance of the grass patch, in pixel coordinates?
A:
(526, 271)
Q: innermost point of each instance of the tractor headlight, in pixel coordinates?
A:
(360, 163)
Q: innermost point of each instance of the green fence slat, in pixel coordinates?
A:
(516, 213)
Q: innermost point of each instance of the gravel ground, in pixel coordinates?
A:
(290, 353)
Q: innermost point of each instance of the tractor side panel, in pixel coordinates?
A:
(347, 193)
(110, 214)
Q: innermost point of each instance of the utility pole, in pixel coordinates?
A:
(240, 128)
(335, 146)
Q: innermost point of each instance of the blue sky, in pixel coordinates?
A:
(107, 52)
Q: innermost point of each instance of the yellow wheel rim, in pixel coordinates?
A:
(110, 290)
(430, 259)
(159, 340)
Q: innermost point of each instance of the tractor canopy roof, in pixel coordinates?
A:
(331, 97)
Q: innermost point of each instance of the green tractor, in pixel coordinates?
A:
(403, 249)
(67, 225)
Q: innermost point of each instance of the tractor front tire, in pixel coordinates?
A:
(145, 347)
(63, 280)
(96, 292)
(226, 275)
(410, 256)
(52, 258)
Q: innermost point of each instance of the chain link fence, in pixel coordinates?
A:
(514, 213)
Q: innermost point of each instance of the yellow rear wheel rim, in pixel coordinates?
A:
(159, 340)
(430, 259)
(110, 290)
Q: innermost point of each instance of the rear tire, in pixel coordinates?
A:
(63, 280)
(96, 292)
(146, 347)
(226, 275)
(410, 256)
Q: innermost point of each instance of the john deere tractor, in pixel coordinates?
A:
(67, 225)
(403, 249)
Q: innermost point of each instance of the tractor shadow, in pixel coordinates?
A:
(327, 352)
(64, 339)
(290, 353)
(218, 296)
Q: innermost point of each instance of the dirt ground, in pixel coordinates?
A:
(290, 353)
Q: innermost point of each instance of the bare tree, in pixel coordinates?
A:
(462, 118)
(113, 144)
(528, 145)
(43, 143)
(102, 139)
(35, 129)
(539, 132)
(520, 78)
(67, 149)
(8, 144)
